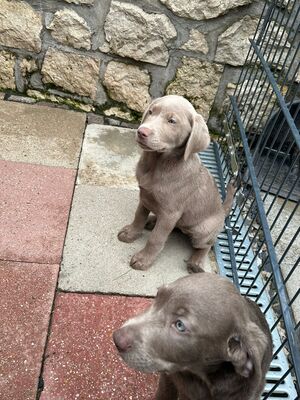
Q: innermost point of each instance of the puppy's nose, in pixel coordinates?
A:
(122, 340)
(143, 132)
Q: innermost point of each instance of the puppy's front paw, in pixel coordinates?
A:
(141, 261)
(128, 234)
(194, 267)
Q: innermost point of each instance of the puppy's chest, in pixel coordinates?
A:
(190, 388)
(159, 182)
(157, 179)
(147, 181)
(150, 192)
(221, 385)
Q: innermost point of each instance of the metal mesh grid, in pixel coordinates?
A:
(279, 382)
(260, 148)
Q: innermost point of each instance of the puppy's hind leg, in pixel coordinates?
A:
(196, 262)
(203, 238)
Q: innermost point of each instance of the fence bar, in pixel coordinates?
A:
(227, 220)
(278, 279)
(278, 383)
(279, 96)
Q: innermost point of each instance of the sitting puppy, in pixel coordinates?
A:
(207, 341)
(174, 184)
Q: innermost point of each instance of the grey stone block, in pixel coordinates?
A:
(109, 157)
(96, 261)
(40, 135)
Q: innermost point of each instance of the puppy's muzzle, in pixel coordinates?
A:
(123, 340)
(143, 132)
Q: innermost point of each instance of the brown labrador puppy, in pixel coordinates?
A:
(206, 340)
(174, 184)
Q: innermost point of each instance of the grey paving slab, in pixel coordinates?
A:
(40, 135)
(277, 207)
(96, 261)
(109, 157)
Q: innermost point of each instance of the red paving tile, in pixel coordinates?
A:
(34, 208)
(26, 298)
(81, 360)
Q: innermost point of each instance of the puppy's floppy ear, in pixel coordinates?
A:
(199, 137)
(247, 351)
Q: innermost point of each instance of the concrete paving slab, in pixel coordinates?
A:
(26, 297)
(34, 209)
(274, 208)
(81, 359)
(96, 261)
(109, 157)
(40, 135)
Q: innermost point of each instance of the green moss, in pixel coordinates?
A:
(10, 91)
(135, 116)
(214, 134)
(53, 98)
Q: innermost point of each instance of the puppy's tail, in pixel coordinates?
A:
(227, 203)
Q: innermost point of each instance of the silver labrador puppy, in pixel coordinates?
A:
(206, 340)
(174, 184)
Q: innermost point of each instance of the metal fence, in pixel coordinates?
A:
(260, 147)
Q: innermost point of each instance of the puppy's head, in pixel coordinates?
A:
(171, 123)
(194, 324)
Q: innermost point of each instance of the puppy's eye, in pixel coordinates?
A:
(179, 325)
(172, 120)
(150, 112)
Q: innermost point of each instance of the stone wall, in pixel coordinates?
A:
(111, 57)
